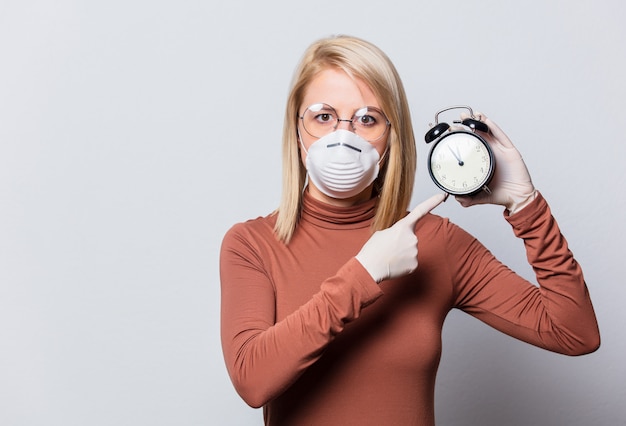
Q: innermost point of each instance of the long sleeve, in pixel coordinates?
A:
(557, 315)
(265, 355)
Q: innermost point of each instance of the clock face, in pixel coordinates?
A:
(461, 163)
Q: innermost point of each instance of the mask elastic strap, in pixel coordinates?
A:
(382, 157)
(300, 141)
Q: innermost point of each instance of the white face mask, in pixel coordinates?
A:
(342, 164)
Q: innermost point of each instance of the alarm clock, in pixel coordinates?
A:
(460, 161)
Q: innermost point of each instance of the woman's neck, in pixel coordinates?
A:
(361, 197)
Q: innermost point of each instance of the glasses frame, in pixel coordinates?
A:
(351, 120)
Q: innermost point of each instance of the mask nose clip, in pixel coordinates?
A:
(347, 145)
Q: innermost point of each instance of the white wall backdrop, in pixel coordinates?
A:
(134, 133)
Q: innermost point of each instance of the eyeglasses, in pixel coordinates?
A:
(368, 122)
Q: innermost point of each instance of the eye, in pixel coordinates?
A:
(325, 117)
(367, 120)
(368, 117)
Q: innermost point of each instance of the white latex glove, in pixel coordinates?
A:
(511, 185)
(392, 252)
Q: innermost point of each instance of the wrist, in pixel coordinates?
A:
(373, 269)
(518, 205)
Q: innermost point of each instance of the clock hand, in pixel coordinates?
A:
(456, 155)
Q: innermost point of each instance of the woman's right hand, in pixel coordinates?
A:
(392, 252)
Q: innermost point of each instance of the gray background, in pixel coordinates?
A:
(134, 133)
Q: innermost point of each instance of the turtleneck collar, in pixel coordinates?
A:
(334, 217)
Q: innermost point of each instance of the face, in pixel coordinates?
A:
(346, 95)
(335, 88)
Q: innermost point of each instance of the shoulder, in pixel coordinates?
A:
(440, 231)
(251, 231)
(432, 225)
(247, 244)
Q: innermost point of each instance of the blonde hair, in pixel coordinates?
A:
(362, 60)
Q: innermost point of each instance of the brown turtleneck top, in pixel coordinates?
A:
(308, 335)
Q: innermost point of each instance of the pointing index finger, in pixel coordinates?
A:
(423, 208)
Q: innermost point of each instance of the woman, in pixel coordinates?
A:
(329, 314)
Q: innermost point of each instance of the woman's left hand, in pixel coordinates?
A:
(511, 185)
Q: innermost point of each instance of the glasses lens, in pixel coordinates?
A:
(319, 120)
(368, 122)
